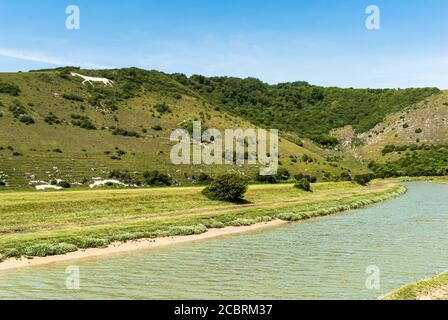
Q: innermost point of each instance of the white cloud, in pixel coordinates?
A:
(37, 57)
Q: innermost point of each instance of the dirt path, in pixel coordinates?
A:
(439, 293)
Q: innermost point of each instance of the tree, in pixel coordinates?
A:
(364, 179)
(303, 184)
(282, 174)
(227, 187)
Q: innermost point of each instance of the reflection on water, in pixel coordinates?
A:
(405, 238)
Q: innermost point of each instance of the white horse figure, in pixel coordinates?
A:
(88, 79)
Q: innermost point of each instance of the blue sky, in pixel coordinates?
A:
(324, 42)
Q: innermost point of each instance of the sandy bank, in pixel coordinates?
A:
(134, 245)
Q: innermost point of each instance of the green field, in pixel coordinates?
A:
(48, 223)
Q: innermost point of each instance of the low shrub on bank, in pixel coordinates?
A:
(304, 185)
(186, 230)
(44, 250)
(227, 187)
(84, 243)
(364, 179)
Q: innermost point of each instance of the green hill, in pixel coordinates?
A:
(54, 128)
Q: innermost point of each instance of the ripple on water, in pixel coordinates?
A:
(321, 259)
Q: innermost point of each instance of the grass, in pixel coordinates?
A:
(422, 288)
(91, 153)
(48, 223)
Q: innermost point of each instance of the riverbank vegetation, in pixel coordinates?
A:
(430, 289)
(41, 224)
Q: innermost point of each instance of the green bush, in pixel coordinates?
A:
(301, 176)
(10, 89)
(155, 178)
(272, 179)
(186, 230)
(26, 119)
(282, 174)
(64, 184)
(83, 122)
(85, 243)
(364, 179)
(227, 187)
(303, 184)
(204, 178)
(162, 108)
(72, 97)
(125, 133)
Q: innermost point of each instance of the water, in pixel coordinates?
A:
(405, 238)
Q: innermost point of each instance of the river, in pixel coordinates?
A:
(360, 254)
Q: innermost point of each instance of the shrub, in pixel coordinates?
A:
(364, 179)
(10, 89)
(17, 109)
(83, 122)
(303, 184)
(265, 179)
(38, 250)
(72, 97)
(26, 119)
(162, 108)
(345, 176)
(44, 250)
(64, 184)
(418, 130)
(326, 140)
(155, 178)
(186, 230)
(85, 243)
(301, 176)
(157, 128)
(227, 187)
(52, 119)
(125, 133)
(204, 178)
(282, 174)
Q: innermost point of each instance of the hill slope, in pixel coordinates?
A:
(53, 127)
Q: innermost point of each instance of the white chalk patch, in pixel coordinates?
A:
(48, 186)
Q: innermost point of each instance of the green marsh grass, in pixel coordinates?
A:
(50, 223)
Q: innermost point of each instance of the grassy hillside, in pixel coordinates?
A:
(411, 142)
(53, 127)
(304, 109)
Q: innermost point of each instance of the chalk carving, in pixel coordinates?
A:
(90, 80)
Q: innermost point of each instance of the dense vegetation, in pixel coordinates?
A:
(423, 160)
(299, 107)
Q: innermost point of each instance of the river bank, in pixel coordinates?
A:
(58, 235)
(322, 258)
(142, 244)
(435, 288)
